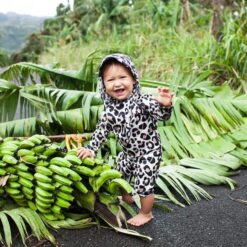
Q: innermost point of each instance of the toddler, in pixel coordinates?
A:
(133, 118)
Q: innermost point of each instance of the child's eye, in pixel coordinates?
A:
(122, 77)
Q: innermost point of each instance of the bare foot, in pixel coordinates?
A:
(140, 219)
(127, 198)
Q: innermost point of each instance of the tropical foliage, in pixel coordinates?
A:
(204, 141)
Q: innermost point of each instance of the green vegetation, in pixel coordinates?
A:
(4, 59)
(198, 50)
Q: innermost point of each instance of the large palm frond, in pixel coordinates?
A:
(25, 73)
(22, 217)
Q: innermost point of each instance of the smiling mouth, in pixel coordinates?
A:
(119, 91)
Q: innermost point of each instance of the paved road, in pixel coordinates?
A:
(220, 222)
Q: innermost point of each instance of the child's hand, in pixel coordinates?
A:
(164, 96)
(84, 153)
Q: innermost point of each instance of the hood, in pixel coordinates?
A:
(125, 61)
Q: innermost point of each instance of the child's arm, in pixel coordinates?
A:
(99, 136)
(160, 107)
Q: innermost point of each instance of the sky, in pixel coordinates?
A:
(32, 7)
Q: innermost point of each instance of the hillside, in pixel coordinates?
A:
(15, 28)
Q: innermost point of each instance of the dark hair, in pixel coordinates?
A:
(110, 61)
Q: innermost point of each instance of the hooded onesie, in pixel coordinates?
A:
(134, 122)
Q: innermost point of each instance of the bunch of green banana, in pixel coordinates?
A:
(45, 178)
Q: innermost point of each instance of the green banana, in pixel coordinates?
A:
(43, 170)
(10, 169)
(9, 146)
(65, 196)
(14, 185)
(62, 180)
(60, 216)
(43, 157)
(21, 203)
(42, 210)
(59, 170)
(38, 149)
(22, 167)
(66, 189)
(43, 138)
(18, 197)
(27, 190)
(50, 150)
(72, 152)
(2, 164)
(29, 159)
(57, 185)
(88, 161)
(85, 171)
(56, 209)
(115, 184)
(72, 174)
(26, 175)
(34, 139)
(42, 204)
(51, 217)
(25, 182)
(60, 162)
(28, 197)
(98, 161)
(46, 186)
(42, 163)
(42, 178)
(6, 152)
(24, 152)
(81, 187)
(44, 199)
(100, 168)
(2, 172)
(13, 178)
(26, 144)
(8, 139)
(12, 191)
(92, 182)
(43, 193)
(73, 159)
(62, 203)
(105, 176)
(31, 205)
(9, 159)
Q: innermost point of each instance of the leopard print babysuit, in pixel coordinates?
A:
(133, 121)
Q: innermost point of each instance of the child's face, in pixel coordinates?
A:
(118, 81)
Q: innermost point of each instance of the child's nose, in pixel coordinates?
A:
(117, 82)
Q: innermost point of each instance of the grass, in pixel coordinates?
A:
(161, 50)
(157, 54)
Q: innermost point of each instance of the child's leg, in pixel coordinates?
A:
(147, 172)
(126, 167)
(145, 214)
(126, 197)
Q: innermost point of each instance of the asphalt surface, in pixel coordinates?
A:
(218, 222)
